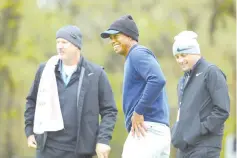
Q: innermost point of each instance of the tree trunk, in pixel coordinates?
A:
(8, 39)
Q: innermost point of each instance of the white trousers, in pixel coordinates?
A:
(155, 143)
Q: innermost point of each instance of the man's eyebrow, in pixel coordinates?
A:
(177, 55)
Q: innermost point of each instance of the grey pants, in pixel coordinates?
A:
(199, 152)
(49, 152)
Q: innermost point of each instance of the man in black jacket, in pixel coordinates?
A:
(204, 102)
(84, 94)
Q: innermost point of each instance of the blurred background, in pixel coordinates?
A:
(27, 37)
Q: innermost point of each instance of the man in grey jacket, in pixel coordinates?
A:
(84, 94)
(204, 102)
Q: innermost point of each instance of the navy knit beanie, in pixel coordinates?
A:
(125, 25)
(72, 34)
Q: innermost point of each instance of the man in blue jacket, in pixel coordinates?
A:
(204, 102)
(145, 102)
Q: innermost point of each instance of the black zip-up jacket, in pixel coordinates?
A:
(204, 107)
(94, 98)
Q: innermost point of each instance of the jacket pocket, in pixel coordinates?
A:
(177, 137)
(88, 134)
(193, 133)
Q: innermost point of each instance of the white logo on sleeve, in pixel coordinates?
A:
(90, 74)
(198, 74)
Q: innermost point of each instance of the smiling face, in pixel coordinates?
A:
(121, 43)
(187, 61)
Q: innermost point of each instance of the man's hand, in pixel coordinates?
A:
(31, 141)
(138, 125)
(102, 150)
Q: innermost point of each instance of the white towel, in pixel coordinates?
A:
(48, 115)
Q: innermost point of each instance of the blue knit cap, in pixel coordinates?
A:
(72, 34)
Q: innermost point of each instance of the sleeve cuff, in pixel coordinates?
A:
(29, 131)
(103, 142)
(139, 110)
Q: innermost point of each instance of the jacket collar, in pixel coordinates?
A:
(195, 66)
(58, 66)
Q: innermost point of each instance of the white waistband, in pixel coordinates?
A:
(156, 125)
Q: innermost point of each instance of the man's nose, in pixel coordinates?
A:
(59, 45)
(111, 41)
(180, 60)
